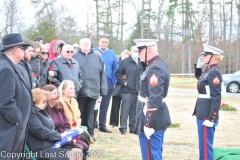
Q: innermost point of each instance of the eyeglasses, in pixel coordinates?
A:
(75, 47)
(21, 48)
(36, 51)
(54, 92)
(45, 53)
(69, 51)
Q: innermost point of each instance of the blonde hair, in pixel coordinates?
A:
(39, 94)
(125, 53)
(219, 58)
(43, 47)
(63, 85)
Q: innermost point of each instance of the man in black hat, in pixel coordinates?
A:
(154, 116)
(16, 97)
(24, 67)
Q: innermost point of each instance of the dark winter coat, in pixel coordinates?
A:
(26, 71)
(15, 107)
(44, 78)
(63, 71)
(37, 68)
(129, 71)
(42, 134)
(94, 76)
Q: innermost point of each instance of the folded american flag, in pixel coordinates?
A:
(69, 135)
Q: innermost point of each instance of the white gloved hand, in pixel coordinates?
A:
(200, 62)
(145, 109)
(148, 131)
(208, 123)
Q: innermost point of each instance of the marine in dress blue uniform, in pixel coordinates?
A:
(154, 116)
(209, 99)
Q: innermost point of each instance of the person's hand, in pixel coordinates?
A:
(208, 123)
(51, 73)
(125, 84)
(148, 131)
(200, 62)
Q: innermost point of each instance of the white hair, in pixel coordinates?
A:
(66, 46)
(85, 40)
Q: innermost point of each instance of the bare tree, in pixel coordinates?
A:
(238, 34)
(12, 15)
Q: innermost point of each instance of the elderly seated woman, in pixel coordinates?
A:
(42, 134)
(55, 109)
(67, 93)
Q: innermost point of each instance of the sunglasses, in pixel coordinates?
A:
(45, 53)
(69, 51)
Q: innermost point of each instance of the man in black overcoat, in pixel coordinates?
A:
(16, 99)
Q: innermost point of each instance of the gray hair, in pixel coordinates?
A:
(85, 40)
(134, 48)
(7, 51)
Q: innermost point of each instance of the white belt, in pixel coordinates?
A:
(204, 96)
(207, 95)
(144, 100)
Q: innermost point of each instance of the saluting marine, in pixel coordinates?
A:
(209, 99)
(154, 117)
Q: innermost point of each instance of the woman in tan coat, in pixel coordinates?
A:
(70, 105)
(67, 93)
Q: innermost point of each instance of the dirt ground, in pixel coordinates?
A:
(180, 143)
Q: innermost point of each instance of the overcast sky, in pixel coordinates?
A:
(78, 8)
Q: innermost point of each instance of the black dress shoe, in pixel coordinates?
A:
(104, 130)
(131, 131)
(123, 131)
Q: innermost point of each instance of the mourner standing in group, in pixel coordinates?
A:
(209, 99)
(128, 74)
(24, 67)
(94, 83)
(154, 116)
(110, 61)
(15, 96)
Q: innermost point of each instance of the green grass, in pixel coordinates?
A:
(186, 82)
(175, 125)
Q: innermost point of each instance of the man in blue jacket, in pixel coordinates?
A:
(110, 61)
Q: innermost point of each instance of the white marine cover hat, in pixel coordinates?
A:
(143, 43)
(211, 50)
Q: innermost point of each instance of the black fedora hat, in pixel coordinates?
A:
(12, 40)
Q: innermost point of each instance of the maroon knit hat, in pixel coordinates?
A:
(49, 87)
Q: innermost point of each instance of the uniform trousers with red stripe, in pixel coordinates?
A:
(205, 140)
(156, 141)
